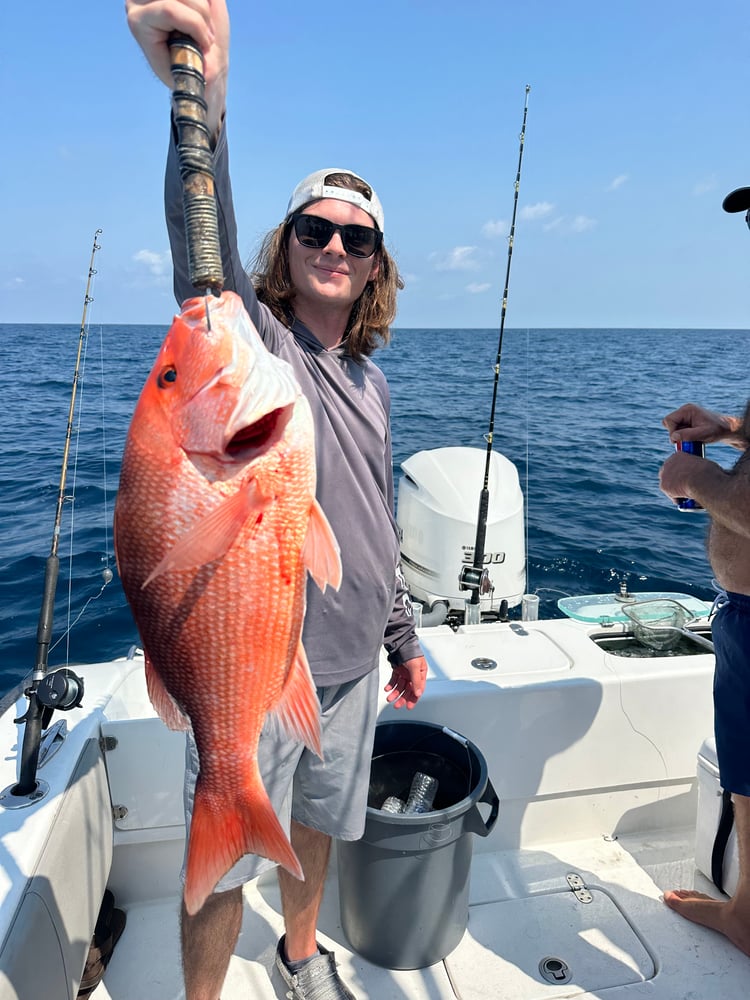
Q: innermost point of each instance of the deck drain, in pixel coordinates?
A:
(554, 970)
(484, 663)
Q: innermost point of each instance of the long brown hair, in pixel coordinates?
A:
(373, 312)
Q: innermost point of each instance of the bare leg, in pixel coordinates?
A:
(731, 918)
(208, 940)
(300, 901)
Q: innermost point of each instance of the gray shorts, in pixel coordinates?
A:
(328, 795)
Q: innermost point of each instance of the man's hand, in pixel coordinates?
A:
(677, 475)
(407, 683)
(207, 23)
(694, 423)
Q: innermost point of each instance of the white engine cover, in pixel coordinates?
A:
(438, 506)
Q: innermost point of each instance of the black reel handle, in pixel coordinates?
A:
(196, 164)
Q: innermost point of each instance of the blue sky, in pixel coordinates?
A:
(637, 128)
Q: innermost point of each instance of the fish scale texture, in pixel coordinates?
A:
(218, 537)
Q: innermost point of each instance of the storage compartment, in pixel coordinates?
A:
(626, 644)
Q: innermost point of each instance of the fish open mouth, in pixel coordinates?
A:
(257, 436)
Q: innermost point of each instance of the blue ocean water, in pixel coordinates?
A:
(578, 411)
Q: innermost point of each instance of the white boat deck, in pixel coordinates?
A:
(625, 944)
(593, 757)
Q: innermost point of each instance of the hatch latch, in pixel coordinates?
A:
(578, 886)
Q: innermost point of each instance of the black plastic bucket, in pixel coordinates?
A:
(404, 887)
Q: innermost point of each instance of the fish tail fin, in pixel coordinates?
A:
(298, 709)
(220, 836)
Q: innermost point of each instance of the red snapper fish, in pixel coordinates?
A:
(216, 528)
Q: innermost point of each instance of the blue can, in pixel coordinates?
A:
(691, 448)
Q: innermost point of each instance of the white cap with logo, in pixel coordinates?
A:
(314, 187)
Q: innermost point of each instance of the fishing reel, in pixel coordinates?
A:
(61, 689)
(475, 578)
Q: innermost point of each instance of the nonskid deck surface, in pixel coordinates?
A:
(624, 943)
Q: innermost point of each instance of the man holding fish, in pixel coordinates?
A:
(322, 299)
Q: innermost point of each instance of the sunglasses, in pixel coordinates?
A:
(315, 232)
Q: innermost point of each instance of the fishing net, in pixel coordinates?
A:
(659, 624)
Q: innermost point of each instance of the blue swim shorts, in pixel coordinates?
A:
(731, 636)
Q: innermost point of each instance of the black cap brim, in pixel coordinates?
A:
(737, 201)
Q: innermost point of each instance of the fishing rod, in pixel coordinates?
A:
(476, 577)
(196, 163)
(61, 689)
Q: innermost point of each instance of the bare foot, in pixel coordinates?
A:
(709, 912)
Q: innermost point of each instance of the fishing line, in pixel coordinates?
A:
(107, 574)
(476, 577)
(72, 497)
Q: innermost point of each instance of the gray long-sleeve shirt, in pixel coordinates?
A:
(350, 401)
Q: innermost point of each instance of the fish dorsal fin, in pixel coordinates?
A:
(298, 708)
(166, 707)
(214, 534)
(320, 553)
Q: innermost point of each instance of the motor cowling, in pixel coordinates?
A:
(438, 504)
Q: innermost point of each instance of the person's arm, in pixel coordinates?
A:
(694, 423)
(409, 675)
(206, 22)
(724, 494)
(235, 276)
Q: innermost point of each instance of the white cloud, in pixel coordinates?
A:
(618, 182)
(14, 284)
(495, 228)
(458, 259)
(476, 288)
(581, 223)
(537, 211)
(158, 264)
(566, 224)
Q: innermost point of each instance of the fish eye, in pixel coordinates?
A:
(166, 377)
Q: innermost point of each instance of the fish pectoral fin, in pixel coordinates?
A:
(211, 537)
(298, 708)
(166, 707)
(222, 831)
(320, 553)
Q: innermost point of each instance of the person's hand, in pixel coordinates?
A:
(407, 683)
(207, 23)
(678, 473)
(694, 423)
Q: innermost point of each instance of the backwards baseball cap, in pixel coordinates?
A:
(314, 187)
(737, 201)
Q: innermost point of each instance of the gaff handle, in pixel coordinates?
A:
(189, 110)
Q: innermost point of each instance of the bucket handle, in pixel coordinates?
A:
(475, 823)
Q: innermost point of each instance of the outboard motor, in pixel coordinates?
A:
(437, 518)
